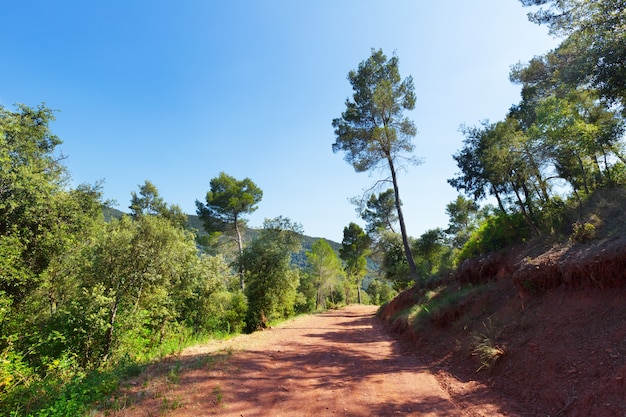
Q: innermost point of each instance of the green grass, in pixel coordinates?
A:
(484, 347)
(66, 390)
(48, 397)
(439, 304)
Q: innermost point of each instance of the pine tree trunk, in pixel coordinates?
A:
(405, 238)
(240, 247)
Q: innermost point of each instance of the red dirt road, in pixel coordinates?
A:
(339, 363)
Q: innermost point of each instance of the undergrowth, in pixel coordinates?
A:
(441, 305)
(484, 347)
(65, 389)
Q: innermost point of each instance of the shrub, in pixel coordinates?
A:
(226, 312)
(380, 291)
(486, 350)
(583, 232)
(495, 233)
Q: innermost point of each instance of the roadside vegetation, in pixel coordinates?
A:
(89, 296)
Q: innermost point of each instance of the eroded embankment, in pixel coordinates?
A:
(553, 321)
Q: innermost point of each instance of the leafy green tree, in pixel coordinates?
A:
(433, 253)
(380, 291)
(373, 131)
(355, 247)
(136, 270)
(593, 52)
(325, 270)
(462, 214)
(205, 304)
(228, 201)
(43, 225)
(30, 176)
(225, 311)
(380, 213)
(496, 160)
(149, 202)
(272, 281)
(393, 264)
(582, 138)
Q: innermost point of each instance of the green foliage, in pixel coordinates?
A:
(355, 247)
(484, 347)
(567, 129)
(592, 53)
(226, 203)
(463, 216)
(83, 301)
(380, 213)
(324, 274)
(496, 233)
(380, 291)
(139, 266)
(433, 255)
(486, 350)
(225, 312)
(440, 306)
(212, 275)
(583, 232)
(64, 391)
(272, 281)
(380, 97)
(149, 202)
(373, 131)
(394, 265)
(39, 219)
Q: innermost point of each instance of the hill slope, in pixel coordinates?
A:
(543, 324)
(194, 223)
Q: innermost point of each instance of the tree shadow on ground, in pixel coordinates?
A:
(344, 364)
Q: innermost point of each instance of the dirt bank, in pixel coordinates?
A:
(556, 316)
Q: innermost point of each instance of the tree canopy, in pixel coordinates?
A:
(272, 282)
(355, 247)
(373, 130)
(227, 202)
(593, 52)
(149, 202)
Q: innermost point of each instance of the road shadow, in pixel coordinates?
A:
(312, 370)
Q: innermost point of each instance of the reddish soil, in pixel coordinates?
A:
(339, 363)
(559, 317)
(557, 312)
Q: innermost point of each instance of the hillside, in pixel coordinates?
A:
(194, 223)
(542, 323)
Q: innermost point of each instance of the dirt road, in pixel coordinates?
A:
(339, 363)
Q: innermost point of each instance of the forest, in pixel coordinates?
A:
(89, 295)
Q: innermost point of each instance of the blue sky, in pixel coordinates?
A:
(176, 92)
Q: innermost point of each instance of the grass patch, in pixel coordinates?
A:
(441, 306)
(168, 404)
(51, 397)
(173, 376)
(219, 394)
(68, 390)
(484, 347)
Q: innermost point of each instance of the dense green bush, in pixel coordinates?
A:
(380, 291)
(225, 312)
(271, 281)
(495, 233)
(583, 232)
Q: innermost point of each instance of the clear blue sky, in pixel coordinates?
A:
(177, 91)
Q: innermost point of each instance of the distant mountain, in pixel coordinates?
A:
(297, 259)
(112, 213)
(194, 222)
